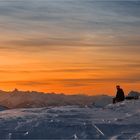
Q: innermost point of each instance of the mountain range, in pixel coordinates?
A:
(34, 99)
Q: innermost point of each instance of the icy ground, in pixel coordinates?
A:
(119, 121)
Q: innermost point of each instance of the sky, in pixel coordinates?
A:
(70, 46)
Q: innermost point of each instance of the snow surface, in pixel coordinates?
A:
(119, 121)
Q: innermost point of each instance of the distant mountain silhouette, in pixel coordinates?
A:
(3, 108)
(28, 99)
(33, 99)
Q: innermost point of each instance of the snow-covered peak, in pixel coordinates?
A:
(28, 99)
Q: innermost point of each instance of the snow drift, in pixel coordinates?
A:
(119, 121)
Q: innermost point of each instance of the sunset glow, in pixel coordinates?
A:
(70, 46)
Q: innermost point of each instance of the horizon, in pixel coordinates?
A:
(70, 46)
(59, 93)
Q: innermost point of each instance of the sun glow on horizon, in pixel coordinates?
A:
(84, 47)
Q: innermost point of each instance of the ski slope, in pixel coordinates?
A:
(119, 121)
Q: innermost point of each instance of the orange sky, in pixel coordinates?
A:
(67, 72)
(84, 50)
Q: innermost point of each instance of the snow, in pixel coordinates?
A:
(34, 99)
(115, 121)
(3, 108)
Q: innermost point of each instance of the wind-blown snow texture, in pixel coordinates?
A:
(112, 122)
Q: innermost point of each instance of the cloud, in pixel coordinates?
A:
(60, 25)
(75, 82)
(106, 29)
(88, 81)
(70, 70)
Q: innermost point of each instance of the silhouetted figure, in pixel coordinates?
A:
(119, 96)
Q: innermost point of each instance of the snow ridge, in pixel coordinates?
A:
(119, 121)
